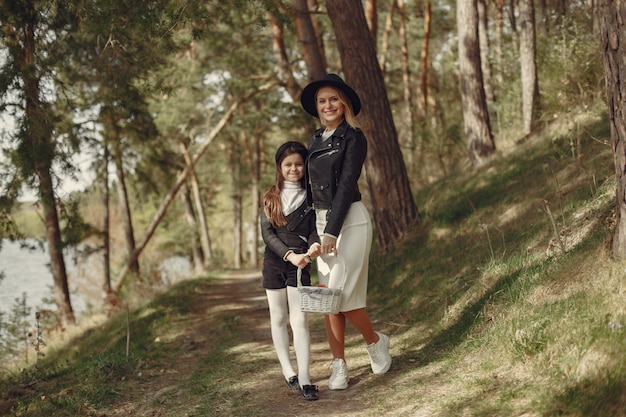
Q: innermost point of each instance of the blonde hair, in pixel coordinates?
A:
(348, 113)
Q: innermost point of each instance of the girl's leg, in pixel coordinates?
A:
(277, 300)
(301, 337)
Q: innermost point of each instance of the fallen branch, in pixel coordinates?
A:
(182, 177)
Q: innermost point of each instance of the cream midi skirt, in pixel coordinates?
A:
(352, 258)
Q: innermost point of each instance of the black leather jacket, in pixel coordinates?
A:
(279, 240)
(332, 172)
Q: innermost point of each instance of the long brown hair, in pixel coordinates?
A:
(272, 206)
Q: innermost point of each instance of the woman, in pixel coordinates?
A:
(288, 230)
(336, 155)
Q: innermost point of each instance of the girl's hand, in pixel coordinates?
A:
(299, 260)
(315, 250)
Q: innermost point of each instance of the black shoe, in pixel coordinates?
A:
(309, 392)
(293, 383)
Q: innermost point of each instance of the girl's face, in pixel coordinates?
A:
(292, 167)
(330, 108)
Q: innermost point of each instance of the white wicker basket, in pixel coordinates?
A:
(319, 299)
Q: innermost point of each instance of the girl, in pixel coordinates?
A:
(288, 230)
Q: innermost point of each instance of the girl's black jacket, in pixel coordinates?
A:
(332, 172)
(297, 235)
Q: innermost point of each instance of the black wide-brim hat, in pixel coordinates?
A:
(333, 80)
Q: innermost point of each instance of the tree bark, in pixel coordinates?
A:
(393, 206)
(409, 145)
(308, 38)
(203, 228)
(528, 64)
(483, 36)
(106, 222)
(122, 193)
(384, 48)
(371, 16)
(190, 215)
(612, 22)
(280, 54)
(475, 115)
(38, 130)
(424, 92)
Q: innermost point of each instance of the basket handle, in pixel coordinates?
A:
(343, 282)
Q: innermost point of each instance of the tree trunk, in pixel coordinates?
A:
(528, 63)
(499, 5)
(280, 54)
(612, 21)
(475, 114)
(371, 16)
(122, 194)
(39, 144)
(106, 222)
(384, 48)
(196, 250)
(406, 81)
(393, 206)
(483, 36)
(203, 228)
(423, 91)
(253, 157)
(308, 38)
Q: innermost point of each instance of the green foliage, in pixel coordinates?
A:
(15, 332)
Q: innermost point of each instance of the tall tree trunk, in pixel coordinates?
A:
(499, 5)
(106, 222)
(406, 81)
(528, 63)
(55, 244)
(612, 21)
(253, 157)
(314, 6)
(393, 206)
(280, 54)
(424, 62)
(384, 48)
(122, 194)
(190, 215)
(371, 16)
(308, 38)
(475, 114)
(485, 49)
(203, 228)
(38, 140)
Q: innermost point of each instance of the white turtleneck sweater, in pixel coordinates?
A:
(292, 196)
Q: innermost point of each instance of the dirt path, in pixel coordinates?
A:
(265, 389)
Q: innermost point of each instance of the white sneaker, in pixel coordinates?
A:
(379, 354)
(339, 377)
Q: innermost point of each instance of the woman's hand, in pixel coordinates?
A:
(329, 245)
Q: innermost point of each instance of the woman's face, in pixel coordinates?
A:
(292, 167)
(330, 108)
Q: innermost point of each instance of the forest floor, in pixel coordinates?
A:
(264, 391)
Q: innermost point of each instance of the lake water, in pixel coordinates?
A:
(28, 271)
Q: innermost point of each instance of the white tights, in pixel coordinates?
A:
(284, 304)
